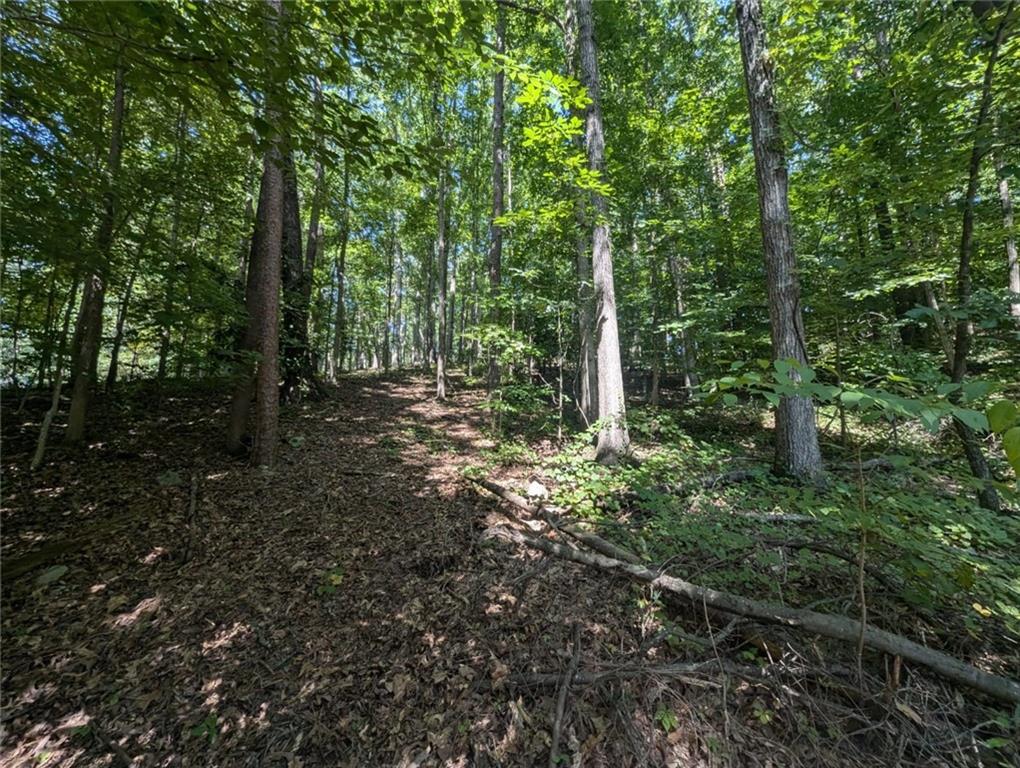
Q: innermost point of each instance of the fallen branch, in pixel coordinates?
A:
(836, 627)
(875, 572)
(561, 700)
(681, 671)
(569, 527)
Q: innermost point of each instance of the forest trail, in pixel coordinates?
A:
(342, 610)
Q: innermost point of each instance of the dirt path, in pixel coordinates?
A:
(341, 611)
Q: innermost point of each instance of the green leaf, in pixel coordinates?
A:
(851, 398)
(973, 419)
(51, 575)
(729, 398)
(1001, 415)
(170, 478)
(1011, 445)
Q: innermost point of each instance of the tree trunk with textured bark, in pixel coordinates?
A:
(296, 360)
(89, 331)
(340, 325)
(587, 364)
(441, 258)
(263, 296)
(495, 254)
(987, 495)
(797, 451)
(613, 441)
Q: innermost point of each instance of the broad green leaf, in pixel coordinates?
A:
(51, 575)
(1011, 445)
(1001, 415)
(973, 419)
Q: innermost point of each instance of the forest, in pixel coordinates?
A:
(478, 383)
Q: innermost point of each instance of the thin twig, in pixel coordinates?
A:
(561, 700)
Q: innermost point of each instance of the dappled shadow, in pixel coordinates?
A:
(344, 609)
(340, 610)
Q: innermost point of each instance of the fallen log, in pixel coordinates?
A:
(569, 527)
(835, 627)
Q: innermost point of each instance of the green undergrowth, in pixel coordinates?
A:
(931, 552)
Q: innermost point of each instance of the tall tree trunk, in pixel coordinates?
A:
(688, 357)
(987, 496)
(340, 326)
(614, 441)
(188, 320)
(797, 452)
(296, 360)
(441, 258)
(48, 331)
(1010, 240)
(391, 255)
(118, 336)
(15, 331)
(657, 342)
(430, 319)
(263, 296)
(244, 384)
(495, 255)
(587, 364)
(175, 237)
(90, 319)
(398, 329)
(58, 382)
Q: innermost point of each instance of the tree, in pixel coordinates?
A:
(971, 445)
(797, 452)
(495, 255)
(441, 255)
(89, 330)
(613, 441)
(262, 295)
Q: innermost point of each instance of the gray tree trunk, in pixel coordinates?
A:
(614, 441)
(441, 258)
(797, 452)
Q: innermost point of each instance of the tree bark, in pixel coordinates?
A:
(296, 358)
(263, 297)
(441, 258)
(495, 255)
(58, 382)
(613, 441)
(340, 326)
(987, 496)
(89, 331)
(587, 364)
(797, 452)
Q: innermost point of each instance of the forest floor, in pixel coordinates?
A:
(166, 605)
